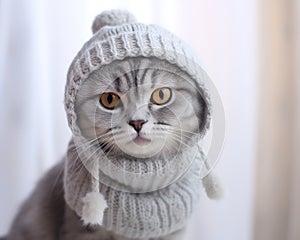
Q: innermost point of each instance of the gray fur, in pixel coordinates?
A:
(45, 215)
(134, 80)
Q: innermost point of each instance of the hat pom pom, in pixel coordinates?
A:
(112, 18)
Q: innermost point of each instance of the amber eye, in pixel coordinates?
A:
(109, 100)
(161, 96)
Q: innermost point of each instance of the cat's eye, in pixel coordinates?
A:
(109, 100)
(161, 96)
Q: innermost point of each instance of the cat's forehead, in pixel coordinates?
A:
(143, 73)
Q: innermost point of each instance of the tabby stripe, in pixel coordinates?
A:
(143, 77)
(153, 80)
(128, 80)
(117, 83)
(134, 76)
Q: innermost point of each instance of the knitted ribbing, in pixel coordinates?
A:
(136, 215)
(134, 174)
(112, 43)
(155, 213)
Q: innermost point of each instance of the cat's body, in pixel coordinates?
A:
(46, 216)
(137, 107)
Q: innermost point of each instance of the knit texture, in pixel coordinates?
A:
(137, 215)
(112, 18)
(112, 43)
(144, 198)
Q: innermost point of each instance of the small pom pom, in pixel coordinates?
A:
(212, 186)
(112, 18)
(94, 205)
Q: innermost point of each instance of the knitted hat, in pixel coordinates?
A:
(116, 37)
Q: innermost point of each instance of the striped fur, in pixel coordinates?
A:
(172, 126)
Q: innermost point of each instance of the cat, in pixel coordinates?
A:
(137, 108)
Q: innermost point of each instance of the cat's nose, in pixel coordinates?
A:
(137, 124)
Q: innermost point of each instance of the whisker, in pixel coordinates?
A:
(94, 142)
(182, 136)
(86, 142)
(182, 130)
(178, 140)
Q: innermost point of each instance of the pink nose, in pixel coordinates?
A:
(137, 124)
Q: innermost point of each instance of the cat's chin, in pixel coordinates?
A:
(141, 150)
(141, 147)
(141, 141)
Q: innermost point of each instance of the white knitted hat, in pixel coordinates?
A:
(116, 37)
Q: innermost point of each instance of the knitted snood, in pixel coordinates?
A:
(134, 198)
(137, 215)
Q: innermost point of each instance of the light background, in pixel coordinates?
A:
(38, 41)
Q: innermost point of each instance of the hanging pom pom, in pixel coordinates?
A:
(212, 186)
(94, 205)
(112, 18)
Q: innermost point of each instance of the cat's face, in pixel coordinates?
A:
(140, 108)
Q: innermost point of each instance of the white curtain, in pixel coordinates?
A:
(277, 198)
(37, 43)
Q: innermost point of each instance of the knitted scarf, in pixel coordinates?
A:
(144, 214)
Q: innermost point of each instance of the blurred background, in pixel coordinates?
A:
(250, 49)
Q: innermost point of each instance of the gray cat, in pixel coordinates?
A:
(45, 214)
(132, 169)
